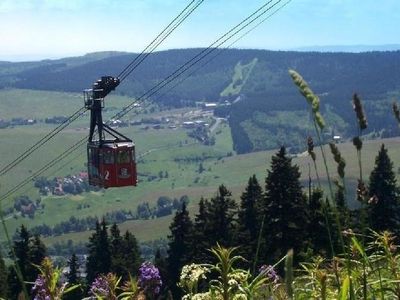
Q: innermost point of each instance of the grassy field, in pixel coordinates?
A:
(163, 150)
(234, 172)
(239, 78)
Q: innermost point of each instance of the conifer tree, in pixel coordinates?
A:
(73, 278)
(214, 223)
(179, 248)
(249, 219)
(73, 275)
(319, 216)
(199, 239)
(286, 216)
(384, 205)
(117, 260)
(131, 255)
(99, 258)
(3, 279)
(29, 252)
(37, 252)
(21, 249)
(161, 263)
(221, 213)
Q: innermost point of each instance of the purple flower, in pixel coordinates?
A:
(39, 289)
(100, 287)
(149, 278)
(269, 272)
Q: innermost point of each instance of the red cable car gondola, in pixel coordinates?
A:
(111, 162)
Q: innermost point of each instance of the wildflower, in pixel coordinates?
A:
(200, 296)
(47, 285)
(269, 272)
(149, 278)
(100, 287)
(40, 290)
(193, 273)
(236, 278)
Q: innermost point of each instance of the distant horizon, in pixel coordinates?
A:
(360, 48)
(42, 29)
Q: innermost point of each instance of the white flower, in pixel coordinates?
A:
(193, 272)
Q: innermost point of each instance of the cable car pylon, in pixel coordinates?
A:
(110, 158)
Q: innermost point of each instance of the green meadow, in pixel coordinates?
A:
(158, 150)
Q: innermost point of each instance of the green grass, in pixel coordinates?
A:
(16, 103)
(160, 150)
(239, 78)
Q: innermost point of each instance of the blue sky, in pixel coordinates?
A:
(37, 29)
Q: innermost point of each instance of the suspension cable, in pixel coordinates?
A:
(163, 83)
(226, 48)
(126, 71)
(42, 141)
(205, 52)
(159, 39)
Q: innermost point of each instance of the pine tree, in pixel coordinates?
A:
(249, 221)
(117, 260)
(3, 279)
(214, 223)
(99, 258)
(221, 212)
(73, 278)
(131, 255)
(285, 208)
(29, 251)
(200, 243)
(21, 249)
(161, 263)
(37, 252)
(73, 275)
(384, 206)
(179, 248)
(319, 215)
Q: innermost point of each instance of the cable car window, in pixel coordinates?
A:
(123, 157)
(108, 157)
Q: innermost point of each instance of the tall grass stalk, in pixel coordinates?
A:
(366, 261)
(321, 147)
(319, 124)
(258, 244)
(310, 149)
(361, 189)
(289, 274)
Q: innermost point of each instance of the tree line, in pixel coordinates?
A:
(264, 224)
(267, 222)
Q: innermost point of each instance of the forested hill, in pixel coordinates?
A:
(269, 111)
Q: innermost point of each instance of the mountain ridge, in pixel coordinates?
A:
(264, 117)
